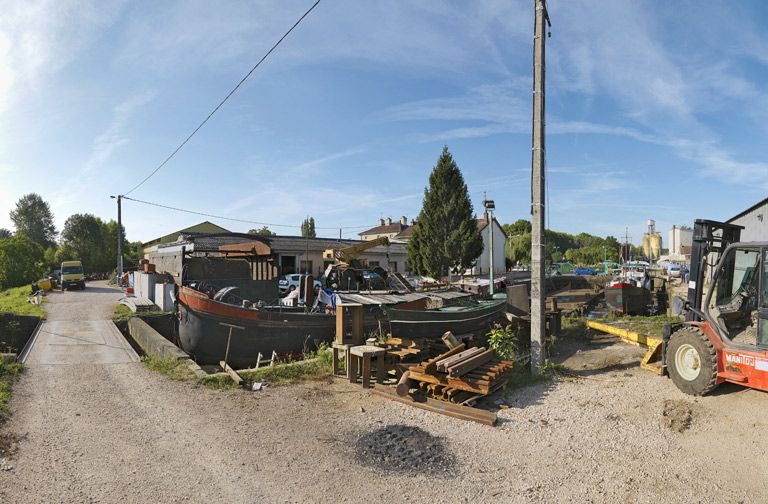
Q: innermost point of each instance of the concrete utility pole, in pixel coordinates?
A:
(119, 199)
(538, 151)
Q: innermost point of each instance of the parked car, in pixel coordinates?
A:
(288, 283)
(673, 270)
(585, 271)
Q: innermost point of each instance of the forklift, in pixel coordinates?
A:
(725, 334)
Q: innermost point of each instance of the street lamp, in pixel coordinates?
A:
(490, 206)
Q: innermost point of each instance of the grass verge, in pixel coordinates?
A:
(15, 301)
(317, 367)
(173, 369)
(122, 313)
(650, 326)
(9, 373)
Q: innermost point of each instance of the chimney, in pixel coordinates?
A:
(381, 221)
(389, 221)
(403, 221)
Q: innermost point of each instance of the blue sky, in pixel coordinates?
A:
(654, 109)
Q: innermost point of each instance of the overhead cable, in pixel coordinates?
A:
(246, 221)
(182, 144)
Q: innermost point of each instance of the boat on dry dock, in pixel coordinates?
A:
(228, 283)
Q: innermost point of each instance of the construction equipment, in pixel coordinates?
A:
(350, 271)
(725, 335)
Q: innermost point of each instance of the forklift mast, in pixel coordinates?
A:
(708, 237)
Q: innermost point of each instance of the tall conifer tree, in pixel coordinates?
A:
(446, 234)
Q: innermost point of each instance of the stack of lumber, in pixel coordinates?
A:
(461, 375)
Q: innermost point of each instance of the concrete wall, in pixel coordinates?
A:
(755, 224)
(152, 342)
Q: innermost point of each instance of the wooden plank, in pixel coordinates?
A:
(443, 408)
(231, 372)
(470, 364)
(430, 366)
(450, 361)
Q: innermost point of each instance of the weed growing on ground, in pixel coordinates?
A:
(15, 301)
(503, 341)
(9, 373)
(316, 368)
(122, 313)
(174, 369)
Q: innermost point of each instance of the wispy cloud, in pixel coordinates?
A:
(327, 159)
(114, 136)
(40, 37)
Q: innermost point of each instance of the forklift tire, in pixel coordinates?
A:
(692, 361)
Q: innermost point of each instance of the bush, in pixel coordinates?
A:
(503, 340)
(21, 261)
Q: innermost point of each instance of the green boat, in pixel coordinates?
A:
(470, 317)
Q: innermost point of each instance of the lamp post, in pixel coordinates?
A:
(490, 206)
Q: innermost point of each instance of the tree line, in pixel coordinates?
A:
(36, 248)
(580, 249)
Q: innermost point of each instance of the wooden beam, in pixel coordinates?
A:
(231, 372)
(444, 364)
(441, 407)
(430, 366)
(470, 363)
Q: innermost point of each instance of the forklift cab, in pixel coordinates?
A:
(737, 302)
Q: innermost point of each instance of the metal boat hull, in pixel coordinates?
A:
(434, 323)
(205, 339)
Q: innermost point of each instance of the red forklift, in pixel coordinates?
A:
(725, 334)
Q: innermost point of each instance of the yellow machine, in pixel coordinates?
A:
(350, 271)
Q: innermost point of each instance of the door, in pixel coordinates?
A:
(762, 312)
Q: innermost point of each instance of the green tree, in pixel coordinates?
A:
(447, 235)
(84, 236)
(49, 257)
(21, 261)
(265, 231)
(519, 249)
(5, 233)
(32, 217)
(520, 226)
(308, 228)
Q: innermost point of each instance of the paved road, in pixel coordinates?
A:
(77, 332)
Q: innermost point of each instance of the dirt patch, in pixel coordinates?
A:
(404, 449)
(9, 445)
(677, 415)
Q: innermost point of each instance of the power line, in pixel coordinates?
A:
(246, 221)
(182, 144)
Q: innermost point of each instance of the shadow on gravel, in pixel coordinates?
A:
(405, 450)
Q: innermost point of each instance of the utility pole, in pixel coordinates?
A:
(538, 150)
(119, 199)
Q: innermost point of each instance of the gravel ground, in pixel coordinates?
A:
(120, 433)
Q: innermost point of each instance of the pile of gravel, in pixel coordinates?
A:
(404, 449)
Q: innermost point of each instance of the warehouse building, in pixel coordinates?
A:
(755, 222)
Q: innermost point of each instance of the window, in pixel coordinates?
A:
(373, 264)
(287, 264)
(305, 267)
(734, 300)
(393, 267)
